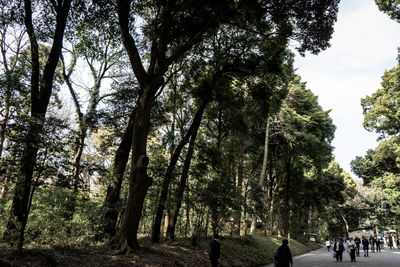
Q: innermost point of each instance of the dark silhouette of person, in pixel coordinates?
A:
(372, 242)
(378, 245)
(283, 256)
(357, 241)
(214, 251)
(390, 242)
(365, 244)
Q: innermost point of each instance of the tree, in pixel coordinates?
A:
(101, 54)
(381, 108)
(13, 88)
(379, 168)
(41, 88)
(170, 33)
(301, 136)
(390, 7)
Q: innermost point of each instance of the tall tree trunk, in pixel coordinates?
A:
(263, 172)
(4, 189)
(3, 123)
(237, 218)
(139, 181)
(172, 146)
(40, 95)
(344, 220)
(76, 171)
(271, 214)
(309, 221)
(286, 215)
(150, 81)
(192, 131)
(187, 206)
(114, 188)
(166, 221)
(279, 222)
(185, 172)
(9, 173)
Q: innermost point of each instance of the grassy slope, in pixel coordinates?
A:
(235, 251)
(256, 250)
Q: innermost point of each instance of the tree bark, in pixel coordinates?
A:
(4, 189)
(263, 171)
(150, 81)
(238, 213)
(185, 172)
(40, 95)
(344, 220)
(76, 170)
(114, 188)
(171, 167)
(286, 215)
(3, 123)
(139, 181)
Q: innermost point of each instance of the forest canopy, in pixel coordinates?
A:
(168, 119)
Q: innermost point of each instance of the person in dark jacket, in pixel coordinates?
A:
(378, 244)
(283, 256)
(338, 248)
(357, 241)
(214, 251)
(365, 244)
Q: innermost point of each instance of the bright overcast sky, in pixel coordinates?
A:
(363, 46)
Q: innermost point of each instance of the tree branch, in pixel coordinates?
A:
(123, 7)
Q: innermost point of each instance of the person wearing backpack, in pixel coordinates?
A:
(365, 244)
(338, 248)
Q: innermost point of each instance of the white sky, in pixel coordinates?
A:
(363, 46)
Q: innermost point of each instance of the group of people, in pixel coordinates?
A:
(352, 245)
(283, 256)
(340, 245)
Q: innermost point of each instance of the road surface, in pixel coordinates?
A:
(322, 258)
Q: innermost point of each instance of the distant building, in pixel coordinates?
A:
(360, 232)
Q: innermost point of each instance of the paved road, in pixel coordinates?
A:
(323, 258)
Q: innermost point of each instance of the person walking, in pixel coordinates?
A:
(283, 256)
(390, 242)
(338, 248)
(398, 243)
(357, 241)
(214, 251)
(365, 244)
(328, 244)
(372, 241)
(378, 244)
(351, 248)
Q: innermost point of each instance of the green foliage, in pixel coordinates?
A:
(378, 162)
(379, 167)
(48, 227)
(390, 7)
(381, 109)
(234, 56)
